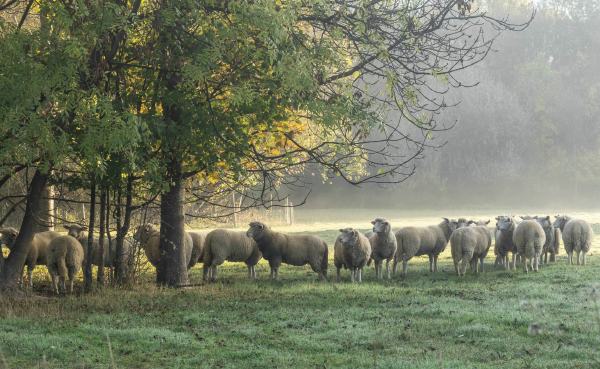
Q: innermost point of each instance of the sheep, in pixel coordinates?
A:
(352, 250)
(552, 244)
(198, 241)
(295, 250)
(109, 249)
(383, 246)
(416, 241)
(65, 257)
(221, 245)
(38, 248)
(576, 235)
(529, 237)
(469, 245)
(148, 235)
(503, 244)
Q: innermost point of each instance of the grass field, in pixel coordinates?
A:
(423, 321)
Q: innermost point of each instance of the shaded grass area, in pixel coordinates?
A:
(423, 321)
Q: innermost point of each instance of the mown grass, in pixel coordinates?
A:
(423, 321)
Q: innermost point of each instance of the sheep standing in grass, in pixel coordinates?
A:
(505, 228)
(552, 244)
(198, 241)
(38, 249)
(65, 257)
(295, 250)
(383, 246)
(352, 250)
(416, 241)
(222, 245)
(470, 245)
(148, 235)
(109, 250)
(529, 237)
(577, 236)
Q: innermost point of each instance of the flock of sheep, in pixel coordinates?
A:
(527, 240)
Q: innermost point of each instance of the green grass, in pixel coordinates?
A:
(424, 321)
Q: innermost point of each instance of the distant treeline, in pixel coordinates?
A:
(528, 134)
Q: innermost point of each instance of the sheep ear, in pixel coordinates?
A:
(488, 222)
(548, 217)
(446, 220)
(67, 227)
(84, 228)
(341, 230)
(373, 222)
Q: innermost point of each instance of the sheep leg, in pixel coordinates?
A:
(583, 258)
(430, 263)
(552, 257)
(54, 283)
(570, 257)
(359, 272)
(456, 267)
(337, 274)
(435, 260)
(352, 274)
(481, 262)
(205, 273)
(63, 284)
(578, 252)
(545, 258)
(30, 276)
(387, 269)
(71, 285)
(465, 261)
(404, 267)
(395, 267)
(213, 273)
(536, 262)
(514, 261)
(525, 264)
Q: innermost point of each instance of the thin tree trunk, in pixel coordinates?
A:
(172, 268)
(88, 278)
(45, 216)
(120, 272)
(100, 275)
(13, 265)
(111, 271)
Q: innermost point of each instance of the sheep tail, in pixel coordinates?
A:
(61, 267)
(325, 261)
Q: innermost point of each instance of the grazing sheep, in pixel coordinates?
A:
(221, 245)
(469, 245)
(577, 236)
(552, 243)
(529, 237)
(383, 246)
(148, 235)
(503, 244)
(65, 257)
(198, 241)
(416, 241)
(38, 249)
(352, 250)
(109, 249)
(295, 250)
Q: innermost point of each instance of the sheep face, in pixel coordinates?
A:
(381, 225)
(256, 230)
(143, 232)
(75, 230)
(505, 223)
(8, 236)
(561, 221)
(349, 236)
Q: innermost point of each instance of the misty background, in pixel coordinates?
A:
(527, 136)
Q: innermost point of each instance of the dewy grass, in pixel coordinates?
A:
(422, 321)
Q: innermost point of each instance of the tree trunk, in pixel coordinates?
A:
(13, 265)
(172, 268)
(88, 278)
(100, 276)
(120, 272)
(45, 215)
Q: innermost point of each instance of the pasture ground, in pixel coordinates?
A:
(423, 321)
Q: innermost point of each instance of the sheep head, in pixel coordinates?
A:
(561, 221)
(256, 230)
(143, 232)
(380, 225)
(74, 230)
(348, 236)
(8, 236)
